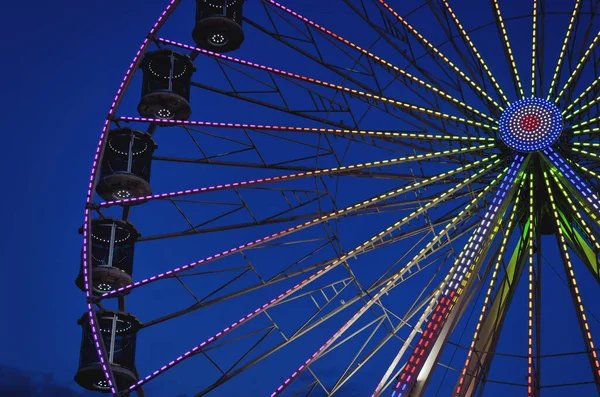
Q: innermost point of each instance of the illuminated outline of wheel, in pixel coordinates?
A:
(520, 165)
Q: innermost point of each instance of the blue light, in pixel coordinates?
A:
(530, 124)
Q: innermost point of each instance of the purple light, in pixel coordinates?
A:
(575, 180)
(86, 265)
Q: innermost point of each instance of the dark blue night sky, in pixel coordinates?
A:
(61, 66)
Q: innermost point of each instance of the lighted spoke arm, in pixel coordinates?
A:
(556, 75)
(573, 230)
(324, 171)
(578, 128)
(357, 250)
(415, 374)
(592, 155)
(389, 66)
(584, 94)
(388, 195)
(438, 53)
(508, 49)
(320, 317)
(417, 328)
(491, 315)
(575, 181)
(422, 254)
(403, 105)
(534, 47)
(579, 308)
(485, 67)
(388, 135)
(532, 380)
(574, 77)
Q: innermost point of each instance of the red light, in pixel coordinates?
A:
(530, 122)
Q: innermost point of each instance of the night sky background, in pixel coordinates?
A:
(61, 66)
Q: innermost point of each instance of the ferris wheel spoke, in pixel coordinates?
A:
(533, 375)
(485, 67)
(575, 295)
(494, 308)
(350, 371)
(447, 61)
(573, 230)
(388, 195)
(577, 130)
(385, 64)
(507, 49)
(559, 63)
(590, 173)
(324, 171)
(433, 48)
(391, 135)
(389, 285)
(411, 312)
(294, 270)
(534, 47)
(353, 92)
(576, 74)
(318, 318)
(387, 29)
(592, 87)
(575, 181)
(445, 315)
(277, 300)
(587, 107)
(391, 372)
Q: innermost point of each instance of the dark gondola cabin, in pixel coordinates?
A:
(125, 171)
(219, 25)
(118, 331)
(166, 84)
(111, 258)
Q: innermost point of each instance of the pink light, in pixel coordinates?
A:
(86, 265)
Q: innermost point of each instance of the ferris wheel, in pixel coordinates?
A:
(363, 197)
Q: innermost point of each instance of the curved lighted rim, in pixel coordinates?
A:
(86, 264)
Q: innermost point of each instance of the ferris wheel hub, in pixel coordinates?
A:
(530, 124)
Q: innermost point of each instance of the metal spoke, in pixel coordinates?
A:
(309, 223)
(429, 347)
(585, 329)
(574, 77)
(324, 171)
(532, 381)
(466, 37)
(384, 290)
(508, 49)
(317, 275)
(420, 37)
(534, 46)
(409, 107)
(467, 382)
(370, 133)
(396, 70)
(575, 181)
(556, 75)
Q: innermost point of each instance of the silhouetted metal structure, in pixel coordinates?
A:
(125, 171)
(118, 331)
(166, 85)
(113, 242)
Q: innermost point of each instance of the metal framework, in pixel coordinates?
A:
(343, 211)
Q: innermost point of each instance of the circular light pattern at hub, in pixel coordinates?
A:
(530, 124)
